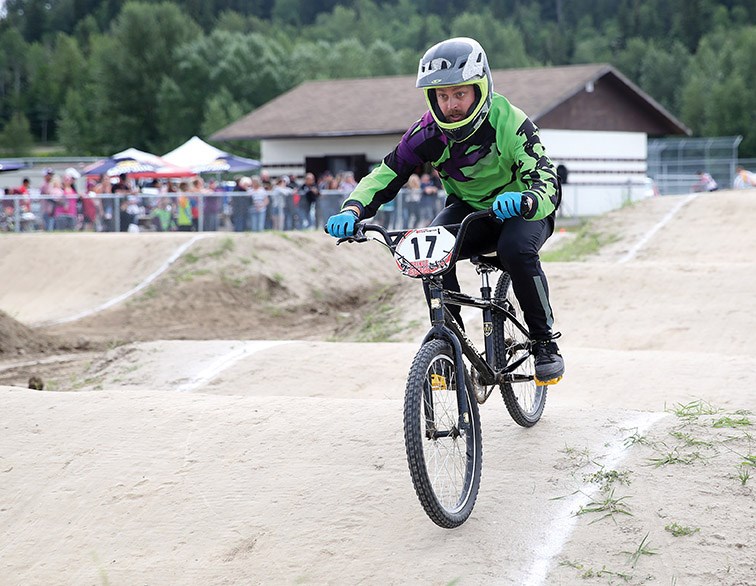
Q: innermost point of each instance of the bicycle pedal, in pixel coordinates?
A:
(552, 381)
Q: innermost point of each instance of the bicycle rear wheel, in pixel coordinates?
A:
(525, 400)
(444, 457)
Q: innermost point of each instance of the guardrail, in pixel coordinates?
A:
(224, 211)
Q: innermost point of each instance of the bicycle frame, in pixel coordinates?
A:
(443, 325)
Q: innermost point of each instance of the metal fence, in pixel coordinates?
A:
(674, 163)
(203, 212)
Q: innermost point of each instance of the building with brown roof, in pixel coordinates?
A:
(593, 120)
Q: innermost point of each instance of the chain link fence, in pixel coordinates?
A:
(674, 163)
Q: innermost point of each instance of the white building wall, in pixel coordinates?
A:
(606, 169)
(287, 156)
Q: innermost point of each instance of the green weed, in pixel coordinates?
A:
(226, 245)
(674, 457)
(744, 473)
(730, 422)
(586, 242)
(679, 530)
(588, 572)
(642, 549)
(689, 440)
(606, 478)
(694, 409)
(578, 457)
(609, 505)
(190, 258)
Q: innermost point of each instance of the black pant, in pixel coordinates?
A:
(516, 242)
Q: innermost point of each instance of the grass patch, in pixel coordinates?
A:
(609, 506)
(380, 324)
(694, 409)
(149, 293)
(190, 258)
(674, 457)
(642, 549)
(678, 530)
(189, 276)
(586, 572)
(587, 241)
(578, 457)
(730, 422)
(607, 478)
(226, 245)
(744, 474)
(689, 440)
(234, 281)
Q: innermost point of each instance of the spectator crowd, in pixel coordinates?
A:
(67, 202)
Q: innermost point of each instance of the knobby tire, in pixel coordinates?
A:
(444, 459)
(525, 401)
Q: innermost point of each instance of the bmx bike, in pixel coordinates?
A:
(442, 430)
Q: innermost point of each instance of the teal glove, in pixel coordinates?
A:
(342, 225)
(507, 205)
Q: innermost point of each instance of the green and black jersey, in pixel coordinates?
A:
(504, 154)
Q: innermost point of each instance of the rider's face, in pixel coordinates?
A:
(455, 101)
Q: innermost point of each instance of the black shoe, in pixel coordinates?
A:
(549, 366)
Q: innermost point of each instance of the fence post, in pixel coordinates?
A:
(17, 213)
(117, 213)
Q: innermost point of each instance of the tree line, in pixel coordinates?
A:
(97, 76)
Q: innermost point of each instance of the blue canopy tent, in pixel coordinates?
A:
(8, 165)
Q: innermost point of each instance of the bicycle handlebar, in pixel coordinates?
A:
(392, 238)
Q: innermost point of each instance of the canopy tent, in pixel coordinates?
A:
(138, 164)
(11, 165)
(202, 157)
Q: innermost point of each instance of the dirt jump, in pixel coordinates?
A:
(227, 409)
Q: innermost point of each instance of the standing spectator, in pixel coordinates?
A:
(91, 208)
(197, 189)
(294, 209)
(428, 199)
(240, 204)
(48, 204)
(347, 183)
(101, 193)
(212, 206)
(66, 208)
(184, 218)
(310, 193)
(162, 215)
(281, 192)
(128, 208)
(21, 207)
(413, 193)
(260, 201)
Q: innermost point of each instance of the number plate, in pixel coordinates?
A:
(425, 251)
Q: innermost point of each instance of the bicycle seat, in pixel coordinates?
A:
(489, 261)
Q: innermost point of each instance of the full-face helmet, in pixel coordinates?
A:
(457, 61)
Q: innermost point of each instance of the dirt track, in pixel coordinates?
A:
(217, 458)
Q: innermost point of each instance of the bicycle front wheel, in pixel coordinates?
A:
(525, 400)
(443, 448)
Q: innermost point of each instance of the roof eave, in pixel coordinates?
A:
(601, 72)
(326, 134)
